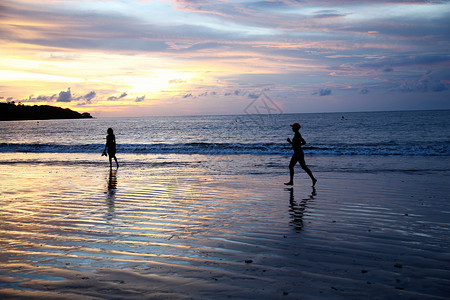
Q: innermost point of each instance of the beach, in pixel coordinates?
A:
(193, 227)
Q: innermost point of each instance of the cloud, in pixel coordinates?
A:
(115, 98)
(387, 69)
(395, 60)
(43, 98)
(176, 81)
(65, 96)
(231, 46)
(89, 96)
(140, 99)
(424, 84)
(253, 95)
(364, 91)
(323, 92)
(323, 14)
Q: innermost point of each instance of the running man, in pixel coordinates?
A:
(298, 156)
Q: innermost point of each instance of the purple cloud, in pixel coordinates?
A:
(140, 99)
(89, 96)
(65, 96)
(114, 98)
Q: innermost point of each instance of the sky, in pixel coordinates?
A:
(124, 58)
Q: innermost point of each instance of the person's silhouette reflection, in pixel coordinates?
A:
(296, 210)
(111, 193)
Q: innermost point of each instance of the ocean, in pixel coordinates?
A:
(198, 208)
(360, 137)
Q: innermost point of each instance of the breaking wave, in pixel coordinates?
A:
(383, 149)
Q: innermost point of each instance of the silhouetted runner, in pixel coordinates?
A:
(298, 156)
(111, 147)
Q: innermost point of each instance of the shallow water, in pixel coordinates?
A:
(179, 227)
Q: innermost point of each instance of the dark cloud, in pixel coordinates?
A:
(424, 84)
(43, 98)
(364, 91)
(65, 96)
(114, 98)
(323, 92)
(140, 99)
(323, 14)
(89, 96)
(387, 69)
(187, 96)
(387, 63)
(236, 93)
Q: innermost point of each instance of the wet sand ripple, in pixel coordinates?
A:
(95, 234)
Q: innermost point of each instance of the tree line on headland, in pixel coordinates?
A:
(11, 112)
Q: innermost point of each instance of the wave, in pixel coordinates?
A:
(384, 149)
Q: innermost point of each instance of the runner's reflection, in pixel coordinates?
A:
(111, 193)
(296, 210)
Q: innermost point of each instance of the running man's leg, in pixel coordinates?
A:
(291, 169)
(307, 170)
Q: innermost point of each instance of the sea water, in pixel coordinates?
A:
(358, 142)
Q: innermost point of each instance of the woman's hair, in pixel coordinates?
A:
(110, 131)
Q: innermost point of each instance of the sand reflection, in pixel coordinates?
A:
(111, 193)
(297, 210)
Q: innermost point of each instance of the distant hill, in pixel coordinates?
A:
(12, 112)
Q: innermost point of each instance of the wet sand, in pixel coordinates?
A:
(172, 232)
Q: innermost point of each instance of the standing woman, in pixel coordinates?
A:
(111, 146)
(298, 156)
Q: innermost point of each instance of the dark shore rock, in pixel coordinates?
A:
(13, 112)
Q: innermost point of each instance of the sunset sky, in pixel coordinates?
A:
(143, 58)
